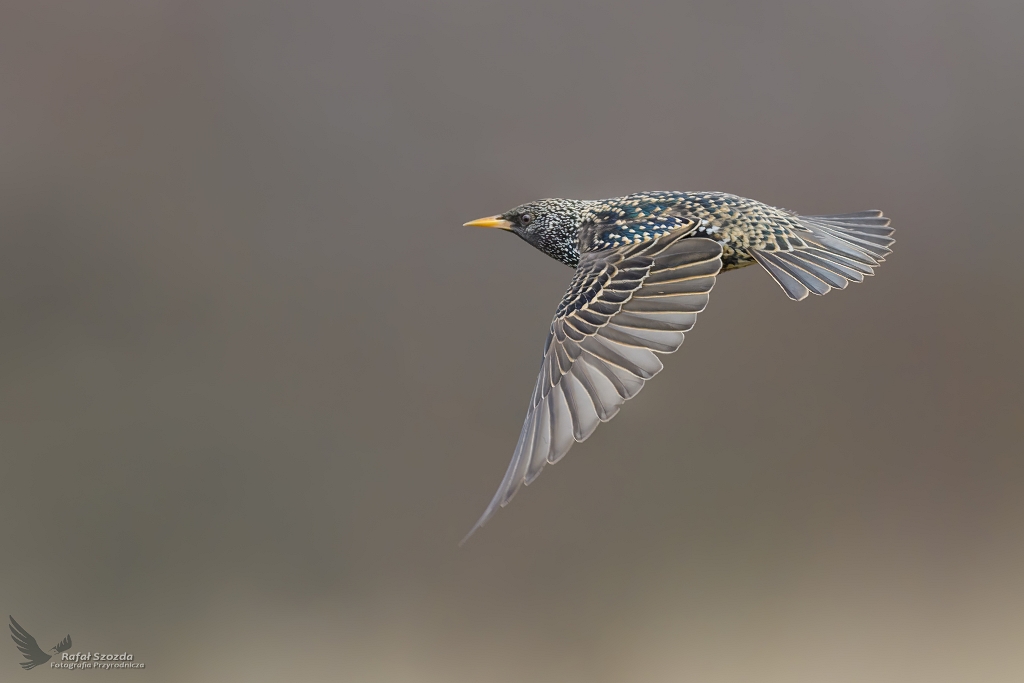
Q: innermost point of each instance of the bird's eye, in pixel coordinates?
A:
(526, 219)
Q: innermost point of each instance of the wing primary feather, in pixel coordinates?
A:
(561, 426)
(510, 485)
(541, 443)
(579, 410)
(606, 402)
(500, 498)
(626, 383)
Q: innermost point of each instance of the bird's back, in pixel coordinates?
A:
(738, 223)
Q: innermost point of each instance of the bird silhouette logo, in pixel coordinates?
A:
(30, 648)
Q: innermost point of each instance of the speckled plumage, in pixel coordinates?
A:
(645, 265)
(738, 224)
(735, 222)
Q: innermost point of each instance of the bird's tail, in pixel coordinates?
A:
(840, 249)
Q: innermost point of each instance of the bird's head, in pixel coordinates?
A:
(551, 225)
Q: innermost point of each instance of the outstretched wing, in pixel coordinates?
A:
(64, 644)
(623, 306)
(28, 646)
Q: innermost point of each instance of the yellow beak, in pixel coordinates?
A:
(489, 222)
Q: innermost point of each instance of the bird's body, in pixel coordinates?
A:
(737, 223)
(645, 264)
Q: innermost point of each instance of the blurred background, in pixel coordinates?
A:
(256, 381)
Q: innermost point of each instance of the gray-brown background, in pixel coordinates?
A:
(256, 381)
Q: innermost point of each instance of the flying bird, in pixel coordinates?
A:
(645, 264)
(28, 646)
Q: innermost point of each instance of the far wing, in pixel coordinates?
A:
(623, 306)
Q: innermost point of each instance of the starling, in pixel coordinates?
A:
(645, 264)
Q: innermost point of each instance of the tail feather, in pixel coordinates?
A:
(826, 275)
(841, 248)
(871, 235)
(874, 245)
(865, 218)
(870, 214)
(838, 259)
(792, 286)
(863, 230)
(844, 272)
